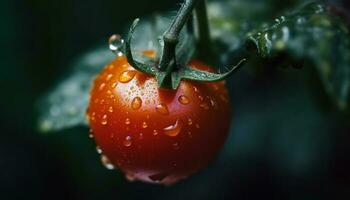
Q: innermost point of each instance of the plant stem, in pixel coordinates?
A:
(205, 46)
(171, 36)
(203, 23)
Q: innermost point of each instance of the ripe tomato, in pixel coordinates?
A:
(157, 135)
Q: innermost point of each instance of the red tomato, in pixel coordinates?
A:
(157, 135)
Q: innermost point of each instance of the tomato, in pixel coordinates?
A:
(157, 135)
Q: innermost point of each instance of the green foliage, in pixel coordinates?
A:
(65, 105)
(313, 35)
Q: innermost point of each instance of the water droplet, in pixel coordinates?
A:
(114, 85)
(130, 177)
(204, 105)
(104, 120)
(155, 132)
(127, 141)
(136, 103)
(116, 44)
(98, 149)
(212, 103)
(127, 121)
(195, 89)
(91, 133)
(102, 86)
(109, 77)
(173, 130)
(159, 176)
(162, 109)
(200, 98)
(197, 126)
(93, 116)
(144, 125)
(110, 109)
(106, 162)
(184, 100)
(189, 121)
(127, 76)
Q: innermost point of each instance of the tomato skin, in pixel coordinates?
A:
(157, 135)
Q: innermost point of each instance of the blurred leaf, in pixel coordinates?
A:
(316, 35)
(230, 22)
(65, 105)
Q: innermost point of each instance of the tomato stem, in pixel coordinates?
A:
(171, 36)
(205, 49)
(168, 72)
(203, 23)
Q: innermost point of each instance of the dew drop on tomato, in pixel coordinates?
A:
(127, 141)
(136, 103)
(91, 133)
(102, 86)
(114, 85)
(127, 76)
(162, 109)
(130, 177)
(184, 100)
(155, 132)
(109, 77)
(106, 162)
(200, 98)
(98, 149)
(104, 120)
(93, 116)
(173, 130)
(110, 109)
(189, 121)
(127, 121)
(204, 105)
(116, 44)
(212, 103)
(144, 125)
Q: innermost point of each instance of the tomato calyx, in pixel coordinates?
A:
(168, 71)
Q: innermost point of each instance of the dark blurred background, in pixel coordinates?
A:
(285, 142)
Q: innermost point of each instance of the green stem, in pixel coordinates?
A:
(171, 36)
(166, 75)
(203, 23)
(205, 46)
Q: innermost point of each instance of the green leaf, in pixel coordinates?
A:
(315, 35)
(230, 21)
(65, 105)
